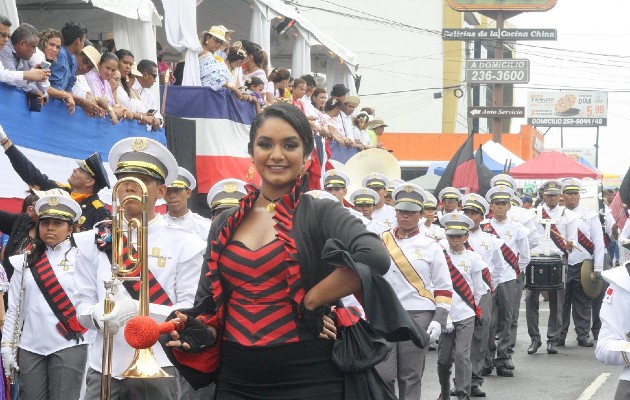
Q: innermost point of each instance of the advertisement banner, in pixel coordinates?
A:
(567, 109)
(513, 5)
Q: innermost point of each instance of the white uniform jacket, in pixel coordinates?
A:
(175, 259)
(489, 248)
(434, 231)
(613, 344)
(528, 220)
(39, 331)
(515, 236)
(590, 226)
(567, 227)
(199, 225)
(385, 215)
(427, 259)
(470, 265)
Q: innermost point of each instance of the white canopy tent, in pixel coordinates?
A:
(303, 49)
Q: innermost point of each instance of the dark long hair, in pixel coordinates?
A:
(38, 247)
(120, 54)
(291, 115)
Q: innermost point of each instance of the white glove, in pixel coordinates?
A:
(8, 362)
(124, 309)
(434, 331)
(3, 135)
(449, 325)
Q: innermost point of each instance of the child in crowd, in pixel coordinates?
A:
(299, 88)
(255, 86)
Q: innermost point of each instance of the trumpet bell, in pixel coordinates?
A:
(144, 365)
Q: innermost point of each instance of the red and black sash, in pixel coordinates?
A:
(56, 297)
(508, 254)
(585, 242)
(555, 234)
(460, 286)
(485, 273)
(606, 240)
(157, 295)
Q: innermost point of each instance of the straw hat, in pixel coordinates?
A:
(217, 32)
(93, 54)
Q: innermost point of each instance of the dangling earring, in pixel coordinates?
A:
(250, 172)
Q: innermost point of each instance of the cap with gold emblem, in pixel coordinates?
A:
(334, 178)
(184, 180)
(226, 194)
(430, 200)
(145, 156)
(93, 165)
(456, 224)
(409, 197)
(375, 180)
(392, 185)
(551, 187)
(58, 206)
(449, 193)
(364, 196)
(571, 185)
(322, 194)
(474, 202)
(503, 179)
(499, 193)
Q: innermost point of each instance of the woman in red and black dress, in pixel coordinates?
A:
(271, 289)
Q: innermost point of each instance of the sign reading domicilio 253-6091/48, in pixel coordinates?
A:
(567, 108)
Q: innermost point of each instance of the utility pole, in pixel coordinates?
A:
(497, 88)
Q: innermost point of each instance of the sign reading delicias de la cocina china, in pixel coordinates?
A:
(567, 108)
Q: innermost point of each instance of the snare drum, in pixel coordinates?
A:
(545, 273)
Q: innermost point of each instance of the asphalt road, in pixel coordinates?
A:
(573, 374)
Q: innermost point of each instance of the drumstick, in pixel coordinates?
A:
(565, 239)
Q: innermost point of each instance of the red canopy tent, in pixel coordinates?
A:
(552, 165)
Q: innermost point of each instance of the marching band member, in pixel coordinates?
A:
(449, 198)
(382, 212)
(393, 183)
(488, 247)
(336, 183)
(364, 200)
(177, 195)
(465, 268)
(420, 277)
(428, 224)
(175, 258)
(563, 234)
(225, 194)
(590, 243)
(516, 254)
(52, 352)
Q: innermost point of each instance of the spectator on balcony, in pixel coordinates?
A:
(64, 69)
(50, 44)
(278, 80)
(316, 110)
(349, 104)
(98, 80)
(318, 99)
(256, 62)
(299, 88)
(330, 129)
(360, 125)
(376, 128)
(162, 65)
(222, 53)
(127, 97)
(234, 61)
(254, 88)
(10, 76)
(309, 110)
(86, 62)
(17, 55)
(213, 71)
(148, 76)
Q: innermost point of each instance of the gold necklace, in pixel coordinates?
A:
(271, 207)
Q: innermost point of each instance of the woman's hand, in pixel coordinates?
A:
(330, 330)
(176, 342)
(195, 337)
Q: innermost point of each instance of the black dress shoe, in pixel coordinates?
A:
(504, 372)
(533, 347)
(454, 392)
(509, 365)
(485, 371)
(551, 348)
(462, 396)
(585, 342)
(476, 391)
(560, 343)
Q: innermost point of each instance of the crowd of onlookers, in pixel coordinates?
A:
(65, 65)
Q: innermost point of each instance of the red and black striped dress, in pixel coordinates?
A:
(266, 352)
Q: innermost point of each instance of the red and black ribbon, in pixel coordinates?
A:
(157, 295)
(59, 302)
(585, 242)
(508, 254)
(555, 234)
(606, 240)
(485, 273)
(460, 286)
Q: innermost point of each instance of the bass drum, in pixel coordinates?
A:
(545, 273)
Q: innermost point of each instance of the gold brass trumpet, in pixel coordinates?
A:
(144, 364)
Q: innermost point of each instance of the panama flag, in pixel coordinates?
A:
(52, 140)
(221, 125)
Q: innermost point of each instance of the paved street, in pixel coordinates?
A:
(573, 374)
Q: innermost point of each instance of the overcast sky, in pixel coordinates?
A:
(601, 28)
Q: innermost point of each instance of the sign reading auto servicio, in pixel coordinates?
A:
(567, 108)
